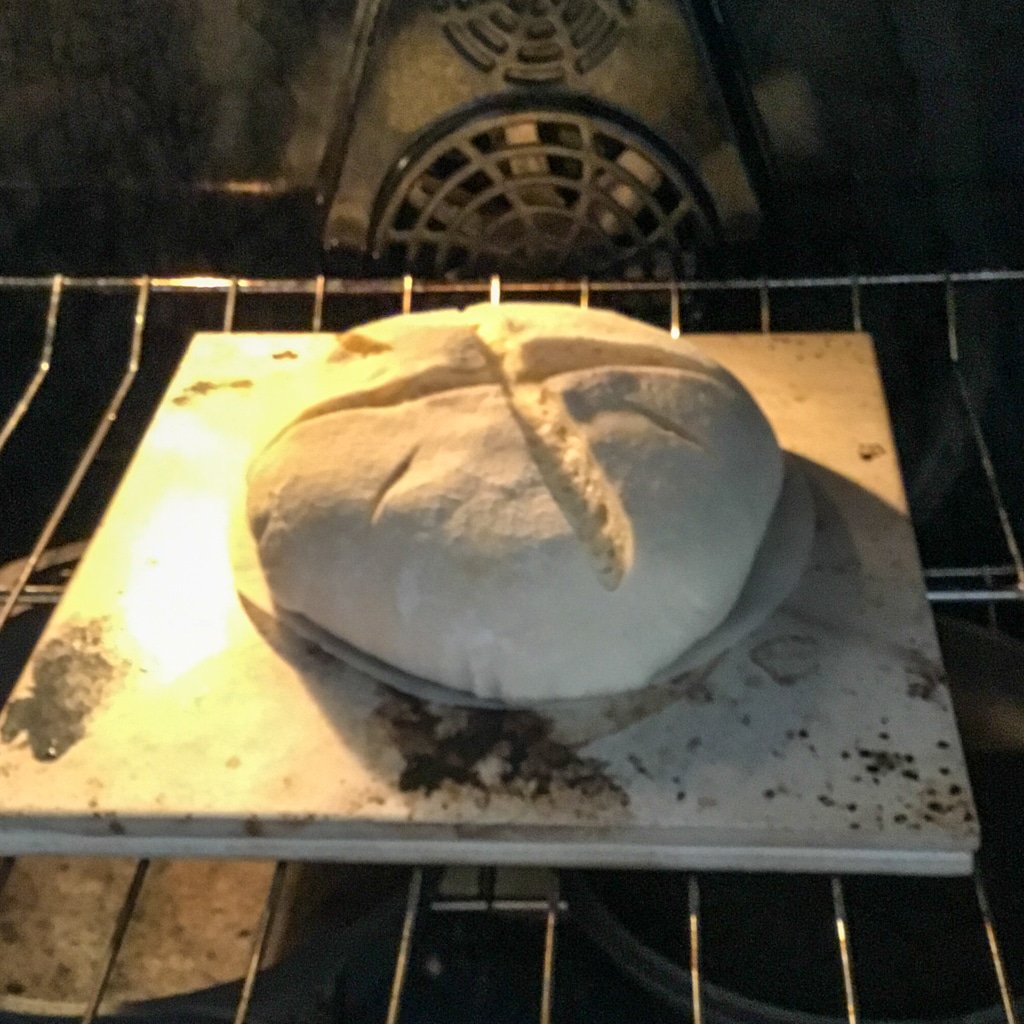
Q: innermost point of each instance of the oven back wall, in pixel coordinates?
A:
(165, 134)
(895, 125)
(187, 133)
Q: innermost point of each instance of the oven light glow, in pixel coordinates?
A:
(213, 283)
(174, 607)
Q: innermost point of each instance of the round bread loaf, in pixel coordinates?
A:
(527, 501)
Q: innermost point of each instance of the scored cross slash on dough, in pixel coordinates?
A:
(564, 460)
(560, 450)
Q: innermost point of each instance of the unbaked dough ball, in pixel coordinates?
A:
(526, 501)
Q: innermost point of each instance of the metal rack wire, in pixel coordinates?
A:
(982, 584)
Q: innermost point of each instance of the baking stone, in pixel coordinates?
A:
(159, 717)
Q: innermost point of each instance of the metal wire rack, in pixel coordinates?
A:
(984, 585)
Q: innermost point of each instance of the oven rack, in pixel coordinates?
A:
(984, 585)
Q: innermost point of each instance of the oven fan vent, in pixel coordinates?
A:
(538, 193)
(534, 41)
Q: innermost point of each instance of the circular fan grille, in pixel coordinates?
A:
(534, 40)
(537, 194)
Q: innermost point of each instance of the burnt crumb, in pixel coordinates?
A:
(676, 780)
(787, 659)
(14, 988)
(955, 790)
(899, 819)
(680, 796)
(71, 675)
(206, 387)
(693, 743)
(640, 767)
(925, 680)
(944, 770)
(851, 808)
(870, 451)
(285, 354)
(253, 827)
(826, 801)
(803, 734)
(855, 824)
(769, 794)
(883, 736)
(935, 807)
(845, 755)
(910, 773)
(943, 745)
(490, 751)
(114, 826)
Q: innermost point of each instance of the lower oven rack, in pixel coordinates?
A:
(984, 585)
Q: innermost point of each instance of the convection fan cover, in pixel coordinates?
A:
(534, 137)
(531, 41)
(533, 192)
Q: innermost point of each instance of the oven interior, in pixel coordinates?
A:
(870, 180)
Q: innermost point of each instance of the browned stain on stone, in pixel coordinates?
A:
(868, 452)
(71, 674)
(206, 387)
(511, 752)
